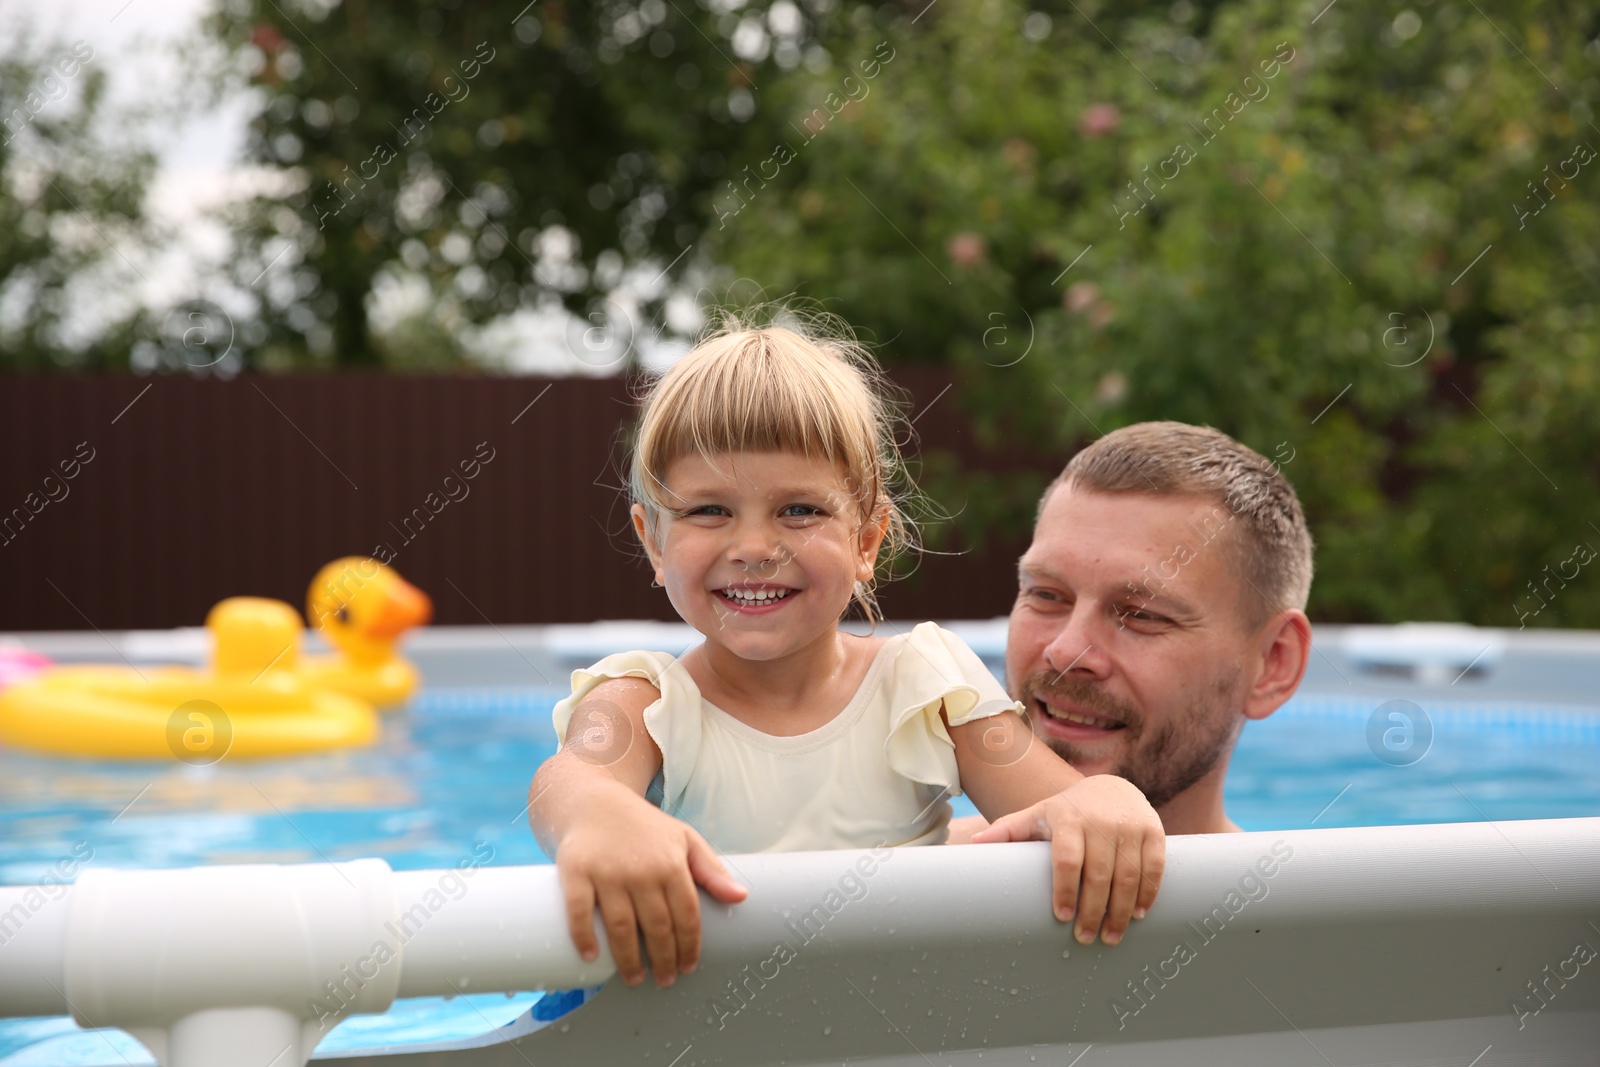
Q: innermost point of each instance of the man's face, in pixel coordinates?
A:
(1126, 641)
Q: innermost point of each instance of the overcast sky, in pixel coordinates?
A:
(125, 35)
(199, 149)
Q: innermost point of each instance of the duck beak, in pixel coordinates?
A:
(403, 606)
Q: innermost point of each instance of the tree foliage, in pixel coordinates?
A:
(1365, 242)
(71, 208)
(496, 156)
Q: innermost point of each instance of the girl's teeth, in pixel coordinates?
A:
(759, 596)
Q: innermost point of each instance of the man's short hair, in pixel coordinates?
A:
(1272, 546)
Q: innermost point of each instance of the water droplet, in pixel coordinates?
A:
(826, 1030)
(1013, 993)
(1066, 954)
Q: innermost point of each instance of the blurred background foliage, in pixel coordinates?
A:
(1290, 263)
(1366, 241)
(489, 160)
(71, 190)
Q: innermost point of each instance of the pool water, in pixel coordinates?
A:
(451, 774)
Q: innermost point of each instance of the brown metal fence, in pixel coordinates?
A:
(131, 502)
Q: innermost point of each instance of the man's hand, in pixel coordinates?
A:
(640, 866)
(1108, 852)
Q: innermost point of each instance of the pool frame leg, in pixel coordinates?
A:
(228, 1037)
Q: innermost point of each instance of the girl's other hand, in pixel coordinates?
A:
(1108, 852)
(640, 866)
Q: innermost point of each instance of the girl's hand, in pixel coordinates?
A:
(1108, 851)
(640, 866)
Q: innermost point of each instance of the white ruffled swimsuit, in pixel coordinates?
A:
(877, 774)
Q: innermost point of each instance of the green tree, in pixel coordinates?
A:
(505, 156)
(71, 210)
(1363, 241)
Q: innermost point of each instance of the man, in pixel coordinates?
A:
(1160, 606)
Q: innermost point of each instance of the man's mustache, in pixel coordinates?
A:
(1050, 686)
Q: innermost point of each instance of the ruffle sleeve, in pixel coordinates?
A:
(936, 670)
(673, 721)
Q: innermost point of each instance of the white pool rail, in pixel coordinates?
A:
(1455, 944)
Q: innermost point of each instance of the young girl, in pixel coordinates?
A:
(764, 484)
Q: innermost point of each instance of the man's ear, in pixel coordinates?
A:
(873, 531)
(1285, 649)
(646, 531)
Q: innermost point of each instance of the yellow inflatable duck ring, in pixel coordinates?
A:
(361, 607)
(251, 703)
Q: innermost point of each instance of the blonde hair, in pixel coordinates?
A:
(1272, 545)
(805, 386)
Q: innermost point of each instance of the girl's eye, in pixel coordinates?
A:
(713, 510)
(800, 511)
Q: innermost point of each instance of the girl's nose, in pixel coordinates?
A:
(756, 545)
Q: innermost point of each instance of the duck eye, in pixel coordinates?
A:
(343, 614)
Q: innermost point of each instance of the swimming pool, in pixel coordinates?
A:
(448, 780)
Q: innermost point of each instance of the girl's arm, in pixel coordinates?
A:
(1108, 848)
(615, 850)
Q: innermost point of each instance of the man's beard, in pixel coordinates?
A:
(1163, 759)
